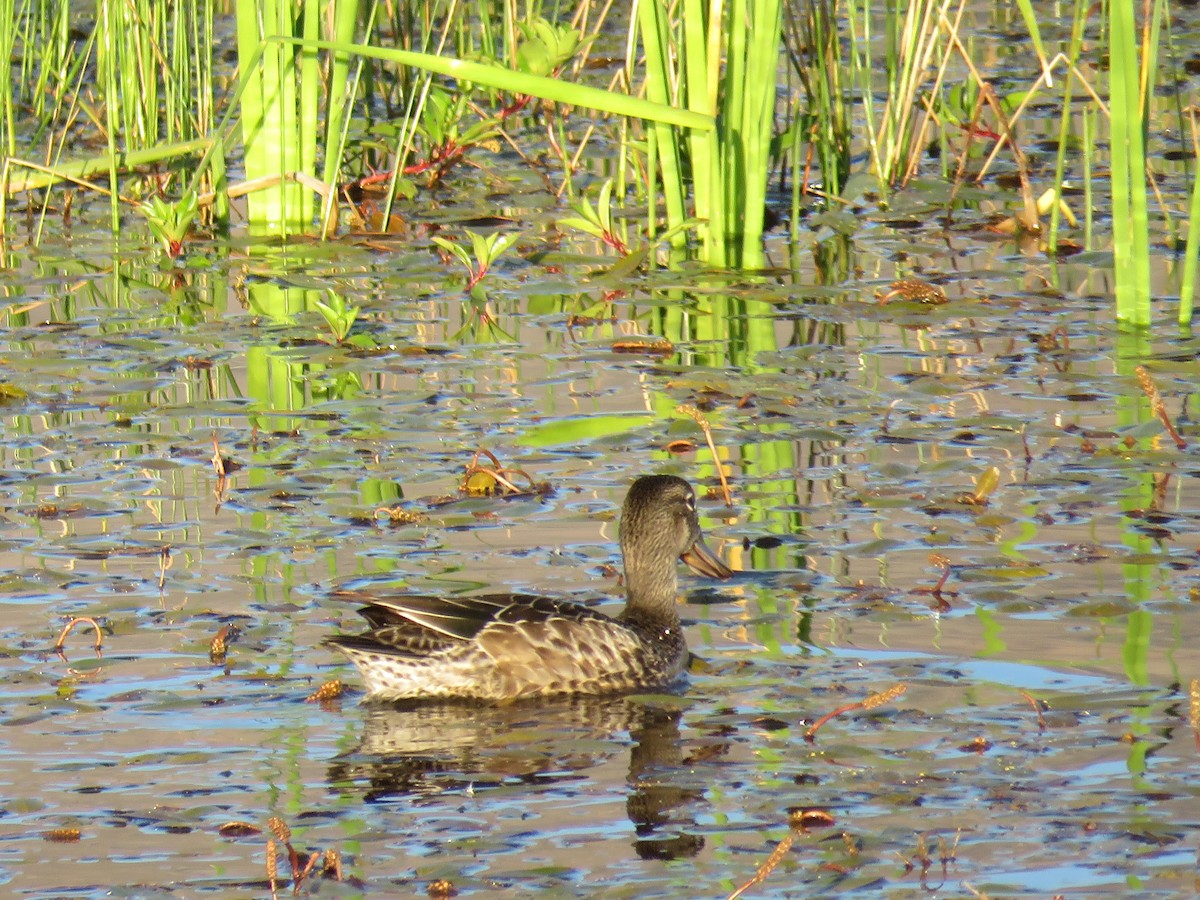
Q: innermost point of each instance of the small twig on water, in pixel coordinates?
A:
(767, 867)
(799, 822)
(164, 563)
(1037, 708)
(870, 703)
(62, 637)
(702, 420)
(498, 473)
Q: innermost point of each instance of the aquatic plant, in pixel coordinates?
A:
(719, 60)
(171, 222)
(485, 250)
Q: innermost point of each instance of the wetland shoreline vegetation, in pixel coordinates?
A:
(701, 105)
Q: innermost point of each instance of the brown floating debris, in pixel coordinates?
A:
(804, 819)
(977, 745)
(656, 347)
(54, 511)
(220, 643)
(985, 486)
(222, 465)
(331, 867)
(440, 889)
(1150, 389)
(399, 515)
(62, 835)
(869, 703)
(238, 829)
(330, 690)
(915, 290)
(483, 480)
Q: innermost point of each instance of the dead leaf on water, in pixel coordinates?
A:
(238, 829)
(63, 835)
(914, 290)
(659, 347)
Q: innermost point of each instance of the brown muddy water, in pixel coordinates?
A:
(1045, 741)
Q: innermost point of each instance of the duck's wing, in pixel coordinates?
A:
(557, 646)
(408, 620)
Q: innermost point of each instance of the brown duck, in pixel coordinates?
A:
(509, 646)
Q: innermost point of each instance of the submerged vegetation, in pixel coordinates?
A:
(343, 111)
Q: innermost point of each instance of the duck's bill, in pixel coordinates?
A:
(703, 561)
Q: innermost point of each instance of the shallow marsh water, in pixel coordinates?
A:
(848, 443)
(1046, 740)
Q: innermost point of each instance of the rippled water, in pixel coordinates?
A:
(1047, 732)
(1045, 740)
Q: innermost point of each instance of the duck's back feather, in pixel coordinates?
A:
(510, 644)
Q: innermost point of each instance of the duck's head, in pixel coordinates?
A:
(658, 526)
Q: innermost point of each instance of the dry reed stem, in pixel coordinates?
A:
(298, 878)
(165, 562)
(1037, 708)
(62, 637)
(700, 419)
(887, 417)
(217, 461)
(656, 347)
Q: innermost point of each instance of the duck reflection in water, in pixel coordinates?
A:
(556, 748)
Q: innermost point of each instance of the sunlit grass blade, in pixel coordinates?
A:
(1131, 244)
(1191, 271)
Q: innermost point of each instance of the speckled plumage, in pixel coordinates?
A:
(509, 646)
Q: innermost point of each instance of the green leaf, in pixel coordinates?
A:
(581, 224)
(493, 76)
(454, 249)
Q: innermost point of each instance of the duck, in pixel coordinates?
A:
(507, 647)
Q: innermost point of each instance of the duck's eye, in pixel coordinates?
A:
(690, 502)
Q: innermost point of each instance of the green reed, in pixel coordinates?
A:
(717, 60)
(814, 50)
(1130, 85)
(1191, 270)
(913, 46)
